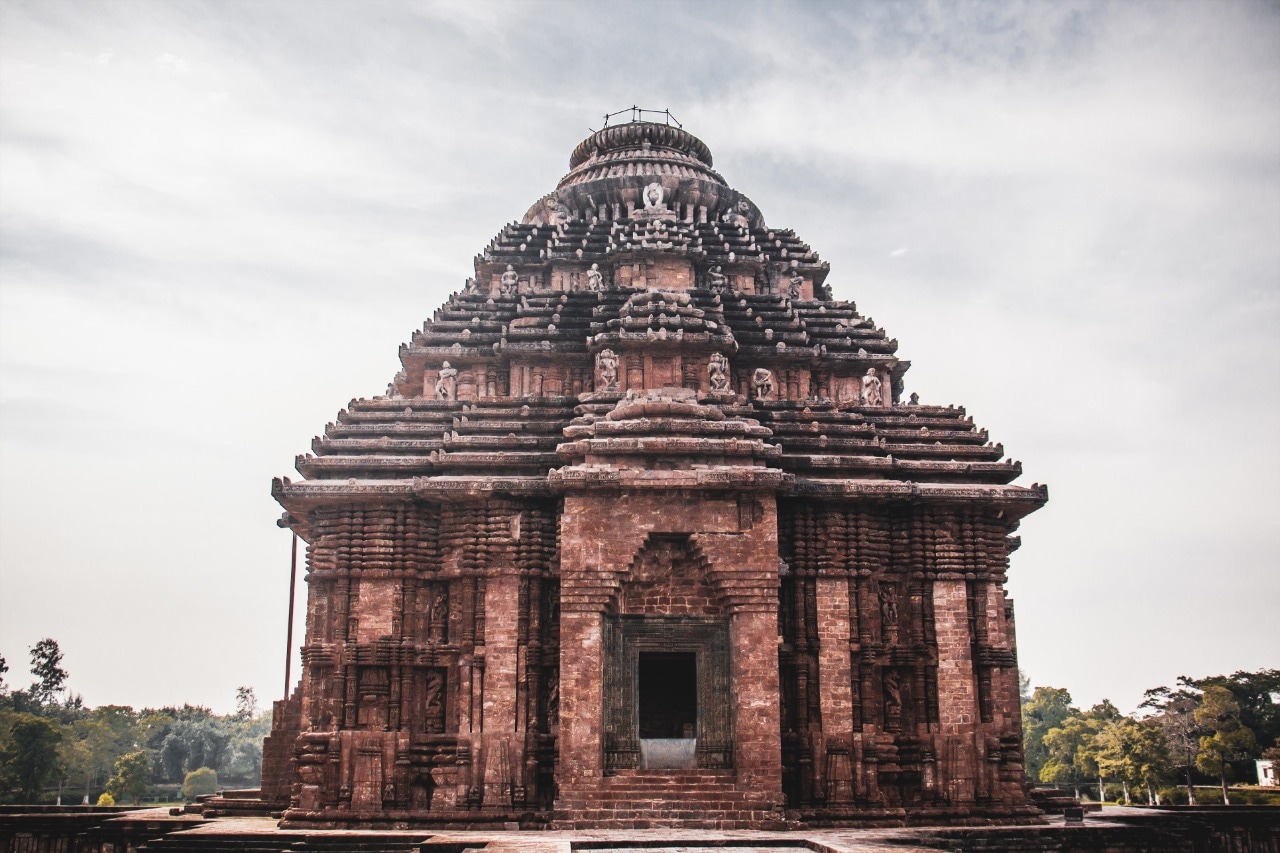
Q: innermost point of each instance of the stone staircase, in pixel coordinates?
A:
(690, 799)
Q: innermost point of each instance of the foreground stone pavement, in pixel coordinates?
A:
(1245, 829)
(1118, 830)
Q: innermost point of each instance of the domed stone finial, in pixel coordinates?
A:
(646, 170)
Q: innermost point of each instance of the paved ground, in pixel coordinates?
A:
(649, 840)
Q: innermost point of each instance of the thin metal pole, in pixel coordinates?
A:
(288, 643)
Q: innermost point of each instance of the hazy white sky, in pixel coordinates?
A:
(219, 220)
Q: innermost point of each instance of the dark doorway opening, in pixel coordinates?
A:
(668, 700)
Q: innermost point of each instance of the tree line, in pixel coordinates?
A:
(1203, 730)
(53, 748)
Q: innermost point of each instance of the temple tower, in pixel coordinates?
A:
(644, 532)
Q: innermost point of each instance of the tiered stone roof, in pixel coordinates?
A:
(663, 280)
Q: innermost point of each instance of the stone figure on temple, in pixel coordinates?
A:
(871, 391)
(653, 198)
(594, 278)
(718, 372)
(796, 283)
(509, 282)
(447, 383)
(763, 381)
(888, 614)
(892, 701)
(607, 367)
(717, 280)
(738, 215)
(439, 617)
(557, 212)
(914, 399)
(434, 703)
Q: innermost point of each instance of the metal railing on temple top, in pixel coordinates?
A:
(639, 113)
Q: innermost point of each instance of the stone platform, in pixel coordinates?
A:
(1242, 829)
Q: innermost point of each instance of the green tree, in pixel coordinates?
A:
(1070, 753)
(183, 739)
(109, 732)
(244, 750)
(46, 666)
(246, 704)
(1154, 759)
(1096, 719)
(1175, 715)
(199, 782)
(75, 762)
(132, 772)
(1134, 752)
(1254, 691)
(1046, 710)
(1226, 737)
(30, 756)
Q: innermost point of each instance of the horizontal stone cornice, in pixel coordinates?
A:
(582, 477)
(450, 488)
(1022, 499)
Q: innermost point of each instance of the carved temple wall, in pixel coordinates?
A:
(897, 649)
(430, 661)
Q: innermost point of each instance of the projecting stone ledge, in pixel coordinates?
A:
(717, 477)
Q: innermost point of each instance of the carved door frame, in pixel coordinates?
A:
(625, 638)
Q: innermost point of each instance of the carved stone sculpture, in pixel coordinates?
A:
(871, 392)
(888, 614)
(796, 285)
(434, 703)
(718, 372)
(447, 383)
(607, 370)
(653, 198)
(763, 381)
(717, 280)
(892, 701)
(438, 619)
(510, 282)
(594, 278)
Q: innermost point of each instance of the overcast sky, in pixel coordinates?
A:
(218, 221)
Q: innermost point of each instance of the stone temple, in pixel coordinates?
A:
(645, 533)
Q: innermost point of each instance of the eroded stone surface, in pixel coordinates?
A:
(646, 428)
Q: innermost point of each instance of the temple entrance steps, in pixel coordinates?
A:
(691, 799)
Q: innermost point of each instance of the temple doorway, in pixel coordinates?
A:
(668, 695)
(667, 710)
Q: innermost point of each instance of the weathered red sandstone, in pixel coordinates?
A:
(645, 474)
